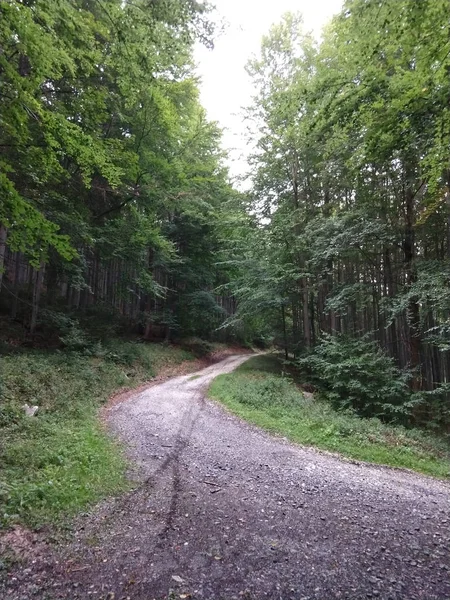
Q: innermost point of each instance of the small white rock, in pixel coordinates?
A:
(30, 411)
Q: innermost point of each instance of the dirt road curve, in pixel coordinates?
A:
(226, 511)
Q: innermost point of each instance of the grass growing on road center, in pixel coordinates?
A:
(261, 393)
(60, 460)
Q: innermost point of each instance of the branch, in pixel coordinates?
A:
(114, 208)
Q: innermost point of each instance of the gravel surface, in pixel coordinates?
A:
(223, 510)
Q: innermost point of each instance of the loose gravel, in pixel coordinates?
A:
(224, 511)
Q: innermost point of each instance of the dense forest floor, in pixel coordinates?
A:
(223, 510)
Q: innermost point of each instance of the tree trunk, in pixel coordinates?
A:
(37, 288)
(306, 319)
(16, 286)
(3, 234)
(390, 291)
(295, 325)
(411, 278)
(447, 204)
(283, 317)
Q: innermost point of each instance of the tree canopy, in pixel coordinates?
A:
(351, 191)
(112, 179)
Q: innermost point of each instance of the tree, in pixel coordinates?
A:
(112, 177)
(351, 176)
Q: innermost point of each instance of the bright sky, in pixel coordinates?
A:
(225, 86)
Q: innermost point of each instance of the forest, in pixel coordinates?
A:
(117, 211)
(215, 386)
(350, 262)
(114, 193)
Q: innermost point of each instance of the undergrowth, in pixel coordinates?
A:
(261, 392)
(60, 460)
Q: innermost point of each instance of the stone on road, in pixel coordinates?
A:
(225, 511)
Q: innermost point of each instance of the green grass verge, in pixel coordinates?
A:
(259, 392)
(59, 461)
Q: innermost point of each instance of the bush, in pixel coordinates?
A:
(198, 314)
(129, 354)
(355, 374)
(198, 347)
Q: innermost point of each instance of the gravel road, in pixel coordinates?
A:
(225, 511)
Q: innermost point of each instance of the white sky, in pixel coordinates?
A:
(225, 86)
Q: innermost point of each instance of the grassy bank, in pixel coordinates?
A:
(259, 392)
(57, 462)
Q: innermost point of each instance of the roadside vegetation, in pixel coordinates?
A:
(118, 219)
(61, 460)
(263, 392)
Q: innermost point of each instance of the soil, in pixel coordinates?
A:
(224, 511)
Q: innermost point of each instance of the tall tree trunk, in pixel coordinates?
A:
(390, 291)
(283, 317)
(312, 320)
(411, 278)
(447, 204)
(37, 288)
(306, 319)
(146, 300)
(295, 325)
(3, 235)
(16, 286)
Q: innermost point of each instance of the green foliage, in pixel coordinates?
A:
(355, 374)
(199, 314)
(107, 159)
(263, 364)
(350, 193)
(275, 403)
(57, 462)
(197, 346)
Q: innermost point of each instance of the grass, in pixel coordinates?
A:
(61, 460)
(259, 392)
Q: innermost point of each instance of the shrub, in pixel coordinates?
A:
(197, 346)
(355, 374)
(270, 391)
(198, 314)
